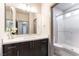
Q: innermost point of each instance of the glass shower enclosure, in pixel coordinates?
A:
(66, 26)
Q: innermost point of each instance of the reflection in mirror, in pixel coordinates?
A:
(23, 20)
(9, 20)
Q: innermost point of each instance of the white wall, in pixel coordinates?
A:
(46, 24)
(2, 18)
(2, 24)
(46, 17)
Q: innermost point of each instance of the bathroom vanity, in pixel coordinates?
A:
(26, 47)
(24, 37)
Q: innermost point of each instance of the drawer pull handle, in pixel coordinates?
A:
(11, 47)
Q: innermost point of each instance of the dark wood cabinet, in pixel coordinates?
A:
(44, 47)
(24, 49)
(10, 50)
(30, 48)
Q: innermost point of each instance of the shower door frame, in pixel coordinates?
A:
(51, 31)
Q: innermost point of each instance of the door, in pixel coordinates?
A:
(22, 27)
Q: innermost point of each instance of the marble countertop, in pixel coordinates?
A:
(23, 38)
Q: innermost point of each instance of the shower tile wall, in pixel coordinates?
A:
(71, 25)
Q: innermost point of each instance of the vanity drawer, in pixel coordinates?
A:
(10, 50)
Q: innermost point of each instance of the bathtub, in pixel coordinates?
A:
(65, 50)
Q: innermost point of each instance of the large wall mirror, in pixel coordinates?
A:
(21, 18)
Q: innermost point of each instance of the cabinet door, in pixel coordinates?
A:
(24, 49)
(9, 50)
(39, 48)
(35, 48)
(44, 47)
(30, 48)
